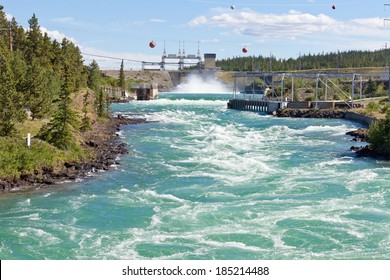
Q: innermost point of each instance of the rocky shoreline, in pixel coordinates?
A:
(106, 146)
(309, 113)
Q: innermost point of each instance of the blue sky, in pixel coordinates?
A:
(120, 28)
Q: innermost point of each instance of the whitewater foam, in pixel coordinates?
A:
(198, 84)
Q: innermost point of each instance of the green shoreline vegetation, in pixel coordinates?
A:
(47, 91)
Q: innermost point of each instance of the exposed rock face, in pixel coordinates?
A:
(360, 135)
(310, 113)
(367, 151)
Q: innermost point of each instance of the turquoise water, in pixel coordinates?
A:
(204, 182)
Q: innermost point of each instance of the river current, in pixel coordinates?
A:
(203, 182)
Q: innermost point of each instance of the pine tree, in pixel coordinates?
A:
(86, 121)
(72, 55)
(94, 76)
(379, 136)
(95, 83)
(102, 104)
(18, 36)
(60, 131)
(19, 68)
(11, 105)
(122, 81)
(370, 88)
(33, 40)
(38, 89)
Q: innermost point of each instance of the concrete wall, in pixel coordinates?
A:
(299, 105)
(364, 120)
(176, 77)
(323, 104)
(273, 106)
(209, 60)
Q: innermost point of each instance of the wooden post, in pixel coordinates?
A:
(28, 140)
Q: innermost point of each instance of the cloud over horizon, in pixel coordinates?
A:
(290, 25)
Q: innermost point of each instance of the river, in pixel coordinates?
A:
(203, 182)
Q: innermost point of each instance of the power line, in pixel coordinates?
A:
(111, 57)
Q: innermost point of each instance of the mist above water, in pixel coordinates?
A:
(201, 84)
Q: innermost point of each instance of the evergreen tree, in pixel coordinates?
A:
(102, 103)
(4, 33)
(57, 58)
(33, 40)
(95, 83)
(18, 36)
(38, 89)
(73, 58)
(46, 52)
(94, 77)
(370, 88)
(122, 81)
(11, 105)
(19, 68)
(60, 131)
(379, 136)
(86, 121)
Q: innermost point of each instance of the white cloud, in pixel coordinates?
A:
(57, 35)
(8, 17)
(310, 32)
(199, 21)
(291, 24)
(215, 40)
(65, 20)
(157, 20)
(369, 22)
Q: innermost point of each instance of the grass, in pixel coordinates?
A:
(30, 126)
(375, 109)
(16, 159)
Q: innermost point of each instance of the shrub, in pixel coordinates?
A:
(372, 107)
(16, 159)
(379, 136)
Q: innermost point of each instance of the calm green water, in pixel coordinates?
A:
(204, 182)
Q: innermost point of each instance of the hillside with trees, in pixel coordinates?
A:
(45, 90)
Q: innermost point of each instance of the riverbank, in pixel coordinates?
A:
(102, 142)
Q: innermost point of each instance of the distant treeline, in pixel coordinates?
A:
(347, 59)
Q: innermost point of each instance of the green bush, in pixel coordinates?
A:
(16, 159)
(379, 136)
(372, 107)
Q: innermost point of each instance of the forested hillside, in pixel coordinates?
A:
(348, 59)
(45, 90)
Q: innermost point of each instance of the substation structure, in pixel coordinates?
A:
(270, 87)
(181, 59)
